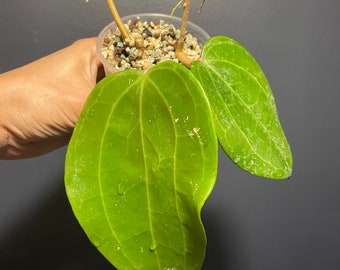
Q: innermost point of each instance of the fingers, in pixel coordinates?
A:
(88, 47)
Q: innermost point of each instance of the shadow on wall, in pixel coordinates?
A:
(52, 239)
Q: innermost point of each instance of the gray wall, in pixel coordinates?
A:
(252, 223)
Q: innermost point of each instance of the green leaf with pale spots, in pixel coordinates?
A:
(140, 165)
(246, 119)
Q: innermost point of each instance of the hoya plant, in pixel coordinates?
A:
(143, 156)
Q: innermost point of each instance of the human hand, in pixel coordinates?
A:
(40, 102)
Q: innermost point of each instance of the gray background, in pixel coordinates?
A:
(252, 223)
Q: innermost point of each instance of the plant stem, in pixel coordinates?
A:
(175, 8)
(202, 5)
(112, 7)
(182, 56)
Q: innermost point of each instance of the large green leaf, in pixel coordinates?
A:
(246, 119)
(141, 162)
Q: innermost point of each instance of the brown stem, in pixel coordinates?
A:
(182, 56)
(201, 6)
(112, 7)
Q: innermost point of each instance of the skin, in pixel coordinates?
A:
(40, 102)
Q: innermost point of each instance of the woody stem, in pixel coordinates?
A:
(112, 7)
(182, 56)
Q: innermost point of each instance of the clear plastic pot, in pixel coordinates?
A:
(192, 28)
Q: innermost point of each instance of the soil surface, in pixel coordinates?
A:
(150, 43)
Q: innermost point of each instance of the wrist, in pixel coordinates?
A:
(4, 108)
(4, 138)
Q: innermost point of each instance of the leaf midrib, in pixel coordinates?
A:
(215, 71)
